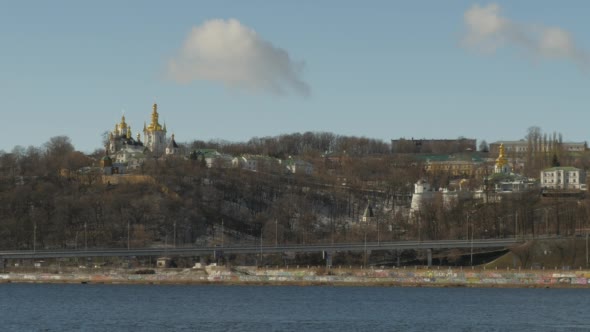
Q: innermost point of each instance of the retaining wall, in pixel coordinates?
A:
(245, 275)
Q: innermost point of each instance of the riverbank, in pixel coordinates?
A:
(402, 277)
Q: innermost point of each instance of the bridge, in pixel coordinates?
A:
(261, 249)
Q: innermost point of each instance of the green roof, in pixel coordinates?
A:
(433, 157)
(475, 157)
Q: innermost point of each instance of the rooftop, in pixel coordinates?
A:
(561, 168)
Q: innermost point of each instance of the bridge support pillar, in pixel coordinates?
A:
(429, 257)
(328, 257)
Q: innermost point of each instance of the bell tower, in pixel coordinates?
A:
(154, 134)
(502, 163)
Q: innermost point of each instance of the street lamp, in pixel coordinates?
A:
(85, 237)
(261, 246)
(471, 258)
(470, 224)
(419, 228)
(34, 236)
(586, 247)
(378, 234)
(365, 227)
(32, 214)
(516, 225)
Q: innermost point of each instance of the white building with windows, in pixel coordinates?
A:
(563, 178)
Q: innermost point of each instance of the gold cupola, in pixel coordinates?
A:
(123, 124)
(154, 125)
(501, 161)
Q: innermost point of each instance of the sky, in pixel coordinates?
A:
(234, 70)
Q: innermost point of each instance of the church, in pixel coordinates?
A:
(127, 149)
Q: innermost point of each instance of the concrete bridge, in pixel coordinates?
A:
(262, 249)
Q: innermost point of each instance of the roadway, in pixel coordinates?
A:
(264, 249)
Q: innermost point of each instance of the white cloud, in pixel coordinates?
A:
(487, 31)
(228, 52)
(484, 26)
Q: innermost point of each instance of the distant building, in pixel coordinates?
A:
(502, 165)
(155, 134)
(297, 166)
(213, 159)
(172, 148)
(424, 194)
(368, 215)
(498, 184)
(448, 146)
(121, 139)
(522, 146)
(563, 178)
(504, 180)
(106, 163)
(124, 147)
(257, 163)
(459, 165)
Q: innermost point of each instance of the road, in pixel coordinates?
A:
(265, 249)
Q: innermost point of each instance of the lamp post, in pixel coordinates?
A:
(128, 234)
(471, 255)
(34, 236)
(470, 224)
(516, 225)
(276, 233)
(546, 222)
(586, 247)
(85, 237)
(365, 245)
(32, 215)
(378, 234)
(420, 228)
(261, 247)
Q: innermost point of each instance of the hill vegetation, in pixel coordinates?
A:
(47, 203)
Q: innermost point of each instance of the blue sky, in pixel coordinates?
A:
(380, 69)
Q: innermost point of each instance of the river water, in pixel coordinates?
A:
(67, 307)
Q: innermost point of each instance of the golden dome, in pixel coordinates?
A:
(501, 161)
(123, 124)
(154, 125)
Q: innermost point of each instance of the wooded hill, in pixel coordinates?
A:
(182, 202)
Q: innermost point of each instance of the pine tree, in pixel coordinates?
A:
(555, 161)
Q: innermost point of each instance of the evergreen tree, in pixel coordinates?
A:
(555, 161)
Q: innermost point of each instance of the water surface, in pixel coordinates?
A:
(54, 307)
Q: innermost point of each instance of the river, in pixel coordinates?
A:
(74, 307)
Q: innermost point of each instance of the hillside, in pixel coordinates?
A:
(568, 253)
